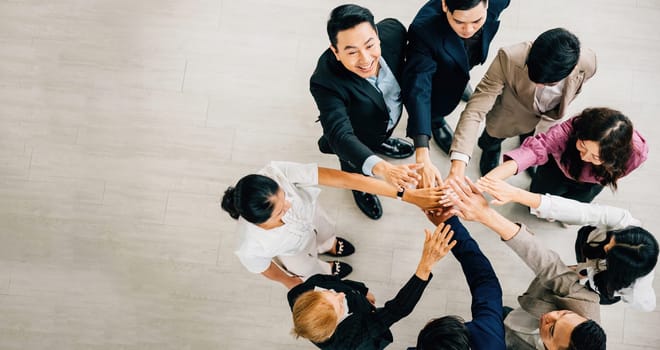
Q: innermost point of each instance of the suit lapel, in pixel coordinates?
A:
(364, 86)
(360, 85)
(454, 46)
(573, 83)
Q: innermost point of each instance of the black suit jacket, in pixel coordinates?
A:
(437, 67)
(367, 327)
(353, 113)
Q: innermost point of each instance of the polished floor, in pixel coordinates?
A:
(122, 122)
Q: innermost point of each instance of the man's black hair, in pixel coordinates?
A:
(346, 17)
(553, 56)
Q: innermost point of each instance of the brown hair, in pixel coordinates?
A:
(314, 318)
(614, 133)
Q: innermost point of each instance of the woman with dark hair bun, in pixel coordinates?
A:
(282, 228)
(615, 255)
(580, 156)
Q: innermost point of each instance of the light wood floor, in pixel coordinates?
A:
(122, 122)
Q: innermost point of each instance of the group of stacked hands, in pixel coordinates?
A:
(361, 84)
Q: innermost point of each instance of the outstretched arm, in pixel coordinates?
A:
(470, 204)
(558, 208)
(436, 246)
(274, 273)
(427, 198)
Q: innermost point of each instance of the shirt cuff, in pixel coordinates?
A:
(369, 163)
(421, 141)
(543, 210)
(459, 156)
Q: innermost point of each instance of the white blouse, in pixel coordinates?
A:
(257, 246)
(639, 295)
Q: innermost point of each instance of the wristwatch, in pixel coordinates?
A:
(399, 194)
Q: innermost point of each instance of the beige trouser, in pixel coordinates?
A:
(306, 263)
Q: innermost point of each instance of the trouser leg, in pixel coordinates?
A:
(489, 143)
(325, 230)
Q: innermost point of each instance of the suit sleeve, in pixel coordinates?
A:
(417, 84)
(337, 127)
(484, 285)
(481, 102)
(546, 264)
(403, 303)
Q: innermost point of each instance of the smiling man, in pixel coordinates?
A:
(446, 39)
(355, 86)
(556, 312)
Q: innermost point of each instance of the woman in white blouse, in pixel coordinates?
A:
(616, 256)
(282, 228)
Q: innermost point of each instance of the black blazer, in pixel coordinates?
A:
(353, 113)
(367, 327)
(437, 68)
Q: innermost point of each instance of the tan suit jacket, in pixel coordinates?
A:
(505, 97)
(555, 287)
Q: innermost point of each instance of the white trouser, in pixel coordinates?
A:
(306, 263)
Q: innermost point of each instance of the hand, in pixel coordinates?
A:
(501, 191)
(371, 298)
(436, 246)
(456, 171)
(438, 216)
(430, 176)
(424, 198)
(400, 176)
(468, 202)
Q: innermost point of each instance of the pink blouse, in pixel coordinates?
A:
(538, 149)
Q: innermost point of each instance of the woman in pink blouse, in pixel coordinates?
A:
(580, 156)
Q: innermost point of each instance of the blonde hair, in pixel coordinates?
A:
(314, 318)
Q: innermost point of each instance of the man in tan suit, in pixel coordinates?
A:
(525, 83)
(556, 311)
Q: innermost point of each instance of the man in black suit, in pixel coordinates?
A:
(355, 86)
(446, 39)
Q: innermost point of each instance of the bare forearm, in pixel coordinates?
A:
(340, 179)
(528, 199)
(504, 227)
(504, 170)
(274, 273)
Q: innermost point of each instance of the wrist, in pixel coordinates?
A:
(380, 168)
(457, 167)
(422, 154)
(401, 193)
(423, 272)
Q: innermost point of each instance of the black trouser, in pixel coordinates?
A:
(550, 179)
(490, 144)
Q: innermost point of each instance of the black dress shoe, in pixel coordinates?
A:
(489, 161)
(443, 136)
(396, 148)
(467, 93)
(369, 204)
(342, 248)
(340, 269)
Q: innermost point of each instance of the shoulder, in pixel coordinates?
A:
(329, 72)
(430, 20)
(495, 7)
(515, 54)
(587, 62)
